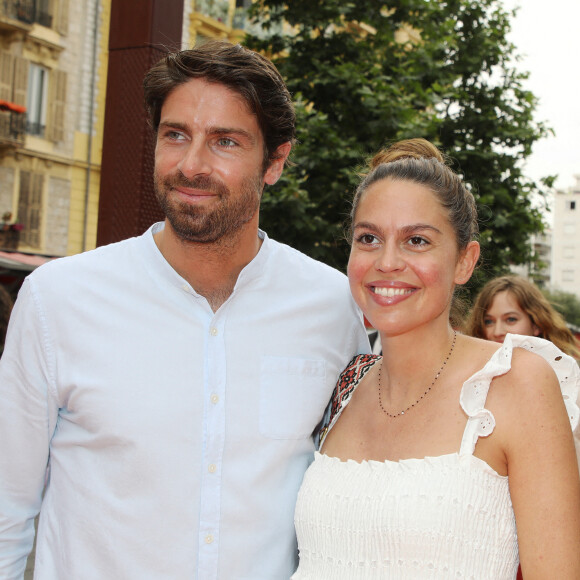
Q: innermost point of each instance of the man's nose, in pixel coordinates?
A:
(195, 160)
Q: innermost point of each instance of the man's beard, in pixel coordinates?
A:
(196, 223)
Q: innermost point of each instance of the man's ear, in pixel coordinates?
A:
(277, 164)
(466, 263)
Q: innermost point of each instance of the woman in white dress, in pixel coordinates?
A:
(450, 456)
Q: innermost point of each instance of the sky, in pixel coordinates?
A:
(546, 35)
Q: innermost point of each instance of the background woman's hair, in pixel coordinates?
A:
(530, 299)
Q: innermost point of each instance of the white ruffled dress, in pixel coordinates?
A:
(438, 517)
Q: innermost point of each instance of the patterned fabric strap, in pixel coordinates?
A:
(349, 379)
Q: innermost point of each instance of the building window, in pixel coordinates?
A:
(567, 275)
(36, 103)
(217, 9)
(44, 13)
(30, 207)
(568, 252)
(571, 205)
(569, 229)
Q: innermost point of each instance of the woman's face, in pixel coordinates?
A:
(505, 315)
(404, 262)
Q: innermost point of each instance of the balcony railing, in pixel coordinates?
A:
(12, 127)
(27, 11)
(9, 237)
(216, 9)
(36, 129)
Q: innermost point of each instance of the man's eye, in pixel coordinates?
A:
(226, 142)
(174, 135)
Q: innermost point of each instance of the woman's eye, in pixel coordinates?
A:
(487, 322)
(418, 241)
(367, 239)
(512, 319)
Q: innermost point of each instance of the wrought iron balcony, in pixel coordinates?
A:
(22, 10)
(12, 128)
(35, 128)
(27, 11)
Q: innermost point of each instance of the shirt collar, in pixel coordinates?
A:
(161, 267)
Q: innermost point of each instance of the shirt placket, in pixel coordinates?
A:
(213, 448)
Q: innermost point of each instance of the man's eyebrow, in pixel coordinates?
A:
(173, 125)
(224, 131)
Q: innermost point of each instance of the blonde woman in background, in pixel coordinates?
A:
(515, 305)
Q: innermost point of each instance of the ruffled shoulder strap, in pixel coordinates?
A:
(347, 383)
(565, 367)
(481, 421)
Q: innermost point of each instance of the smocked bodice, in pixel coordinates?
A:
(437, 517)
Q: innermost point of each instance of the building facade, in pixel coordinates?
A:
(52, 87)
(565, 263)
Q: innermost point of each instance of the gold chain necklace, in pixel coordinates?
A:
(425, 393)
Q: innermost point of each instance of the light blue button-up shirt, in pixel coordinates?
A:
(176, 438)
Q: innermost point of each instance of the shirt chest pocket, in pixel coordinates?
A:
(293, 396)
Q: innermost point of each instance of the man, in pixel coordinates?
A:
(171, 382)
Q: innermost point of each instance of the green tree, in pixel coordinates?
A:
(567, 304)
(367, 72)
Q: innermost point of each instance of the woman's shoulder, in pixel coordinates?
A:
(538, 373)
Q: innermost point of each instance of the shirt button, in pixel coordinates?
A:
(214, 399)
(214, 331)
(209, 539)
(211, 468)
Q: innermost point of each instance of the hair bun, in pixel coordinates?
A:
(407, 149)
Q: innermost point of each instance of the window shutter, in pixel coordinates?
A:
(34, 211)
(57, 102)
(23, 204)
(6, 75)
(30, 206)
(20, 80)
(62, 17)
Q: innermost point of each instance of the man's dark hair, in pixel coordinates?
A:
(244, 71)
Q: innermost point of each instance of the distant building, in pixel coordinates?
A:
(565, 267)
(52, 79)
(539, 272)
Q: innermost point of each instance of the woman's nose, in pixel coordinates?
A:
(390, 258)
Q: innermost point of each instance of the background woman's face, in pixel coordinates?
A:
(505, 315)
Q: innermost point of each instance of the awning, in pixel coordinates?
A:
(24, 262)
(8, 106)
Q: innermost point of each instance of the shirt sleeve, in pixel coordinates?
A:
(27, 419)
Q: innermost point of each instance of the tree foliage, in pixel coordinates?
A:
(567, 304)
(365, 73)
